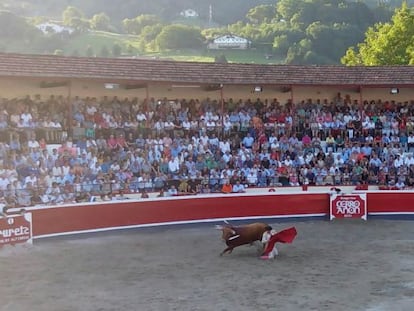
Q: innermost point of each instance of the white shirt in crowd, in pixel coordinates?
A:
(57, 171)
(409, 160)
(174, 165)
(3, 183)
(224, 146)
(186, 125)
(398, 161)
(32, 143)
(27, 118)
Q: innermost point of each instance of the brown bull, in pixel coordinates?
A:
(235, 236)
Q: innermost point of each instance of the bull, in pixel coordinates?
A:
(235, 236)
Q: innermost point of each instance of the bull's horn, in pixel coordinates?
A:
(226, 222)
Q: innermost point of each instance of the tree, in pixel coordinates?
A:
(74, 18)
(141, 46)
(100, 21)
(128, 25)
(150, 32)
(288, 8)
(12, 26)
(220, 59)
(49, 43)
(281, 44)
(137, 24)
(130, 49)
(386, 43)
(261, 14)
(104, 51)
(89, 51)
(286, 37)
(80, 24)
(116, 50)
(179, 37)
(70, 13)
(75, 53)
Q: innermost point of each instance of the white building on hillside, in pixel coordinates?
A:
(229, 42)
(54, 28)
(189, 13)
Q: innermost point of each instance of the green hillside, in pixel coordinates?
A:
(99, 39)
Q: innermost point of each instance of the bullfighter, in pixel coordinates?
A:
(270, 237)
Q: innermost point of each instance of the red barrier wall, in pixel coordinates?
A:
(49, 221)
(390, 202)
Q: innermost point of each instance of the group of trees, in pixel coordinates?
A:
(386, 43)
(301, 32)
(223, 11)
(17, 34)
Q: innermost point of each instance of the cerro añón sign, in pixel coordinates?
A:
(348, 206)
(16, 229)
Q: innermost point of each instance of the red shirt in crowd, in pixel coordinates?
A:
(112, 143)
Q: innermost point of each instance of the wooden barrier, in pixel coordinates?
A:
(93, 217)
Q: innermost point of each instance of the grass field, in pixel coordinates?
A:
(97, 40)
(233, 56)
(78, 45)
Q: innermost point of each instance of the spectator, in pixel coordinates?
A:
(410, 142)
(205, 188)
(330, 143)
(273, 146)
(144, 194)
(248, 141)
(400, 185)
(227, 187)
(183, 186)
(238, 187)
(172, 191)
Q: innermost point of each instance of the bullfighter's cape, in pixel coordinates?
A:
(284, 236)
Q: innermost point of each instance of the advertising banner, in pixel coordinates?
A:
(16, 229)
(348, 206)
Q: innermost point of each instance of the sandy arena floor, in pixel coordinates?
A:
(330, 266)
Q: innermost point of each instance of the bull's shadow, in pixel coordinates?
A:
(253, 250)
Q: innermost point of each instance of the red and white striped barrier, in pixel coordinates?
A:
(104, 216)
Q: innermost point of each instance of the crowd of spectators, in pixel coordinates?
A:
(103, 149)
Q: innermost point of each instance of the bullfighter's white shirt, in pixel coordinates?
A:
(265, 238)
(267, 235)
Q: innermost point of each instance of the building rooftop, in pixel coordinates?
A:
(151, 70)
